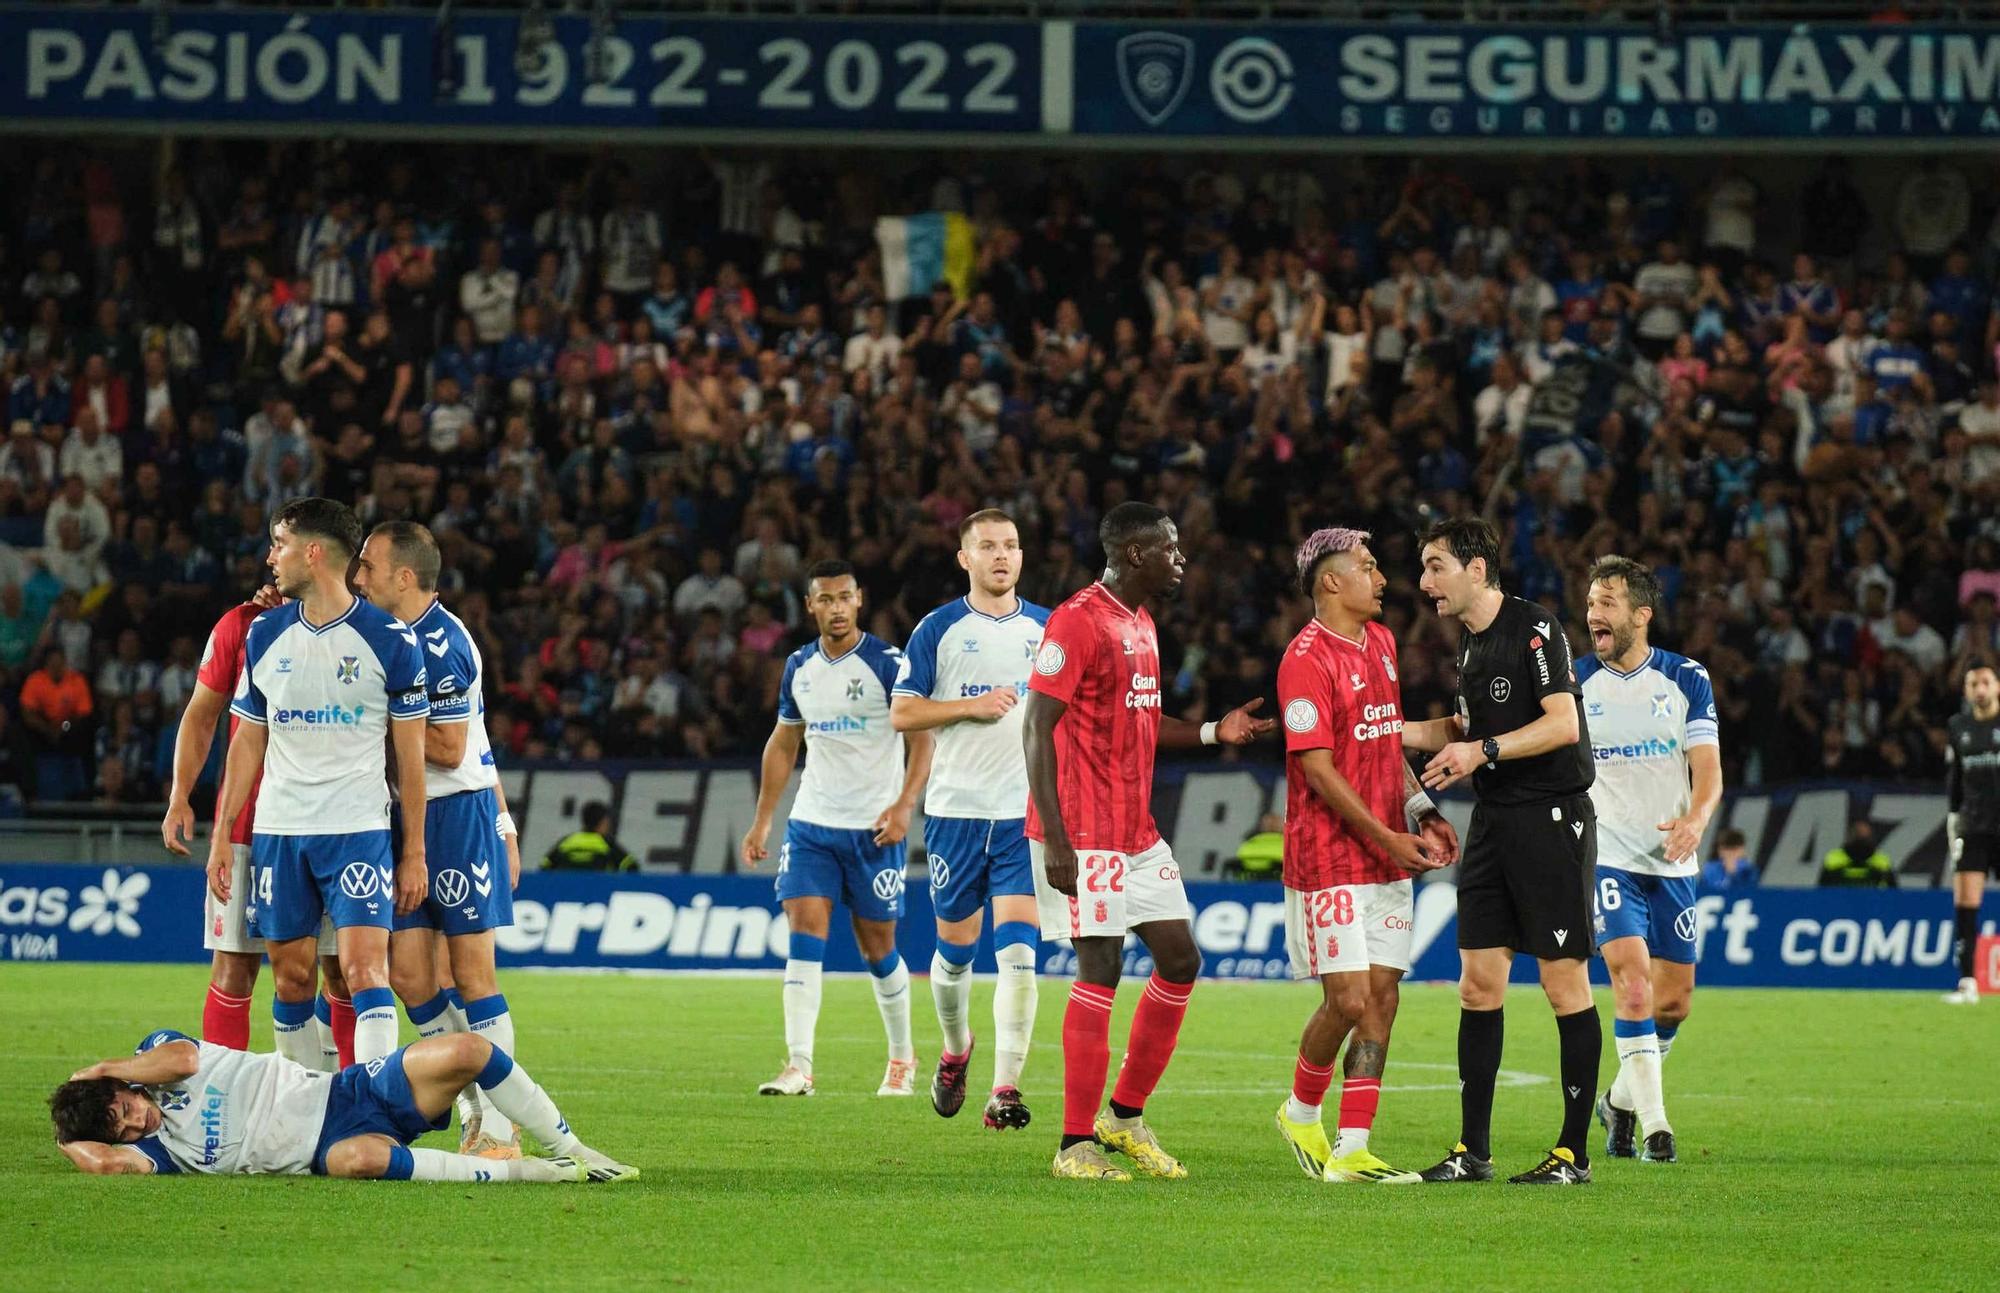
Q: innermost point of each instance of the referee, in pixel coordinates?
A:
(1972, 788)
(1530, 860)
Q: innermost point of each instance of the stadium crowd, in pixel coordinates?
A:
(635, 404)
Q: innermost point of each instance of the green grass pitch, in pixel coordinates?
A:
(1828, 1140)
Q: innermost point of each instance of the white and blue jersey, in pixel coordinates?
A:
(956, 652)
(977, 800)
(1642, 725)
(469, 889)
(326, 694)
(242, 1111)
(854, 771)
(854, 759)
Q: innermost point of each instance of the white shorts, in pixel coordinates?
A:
(225, 927)
(1114, 892)
(1349, 927)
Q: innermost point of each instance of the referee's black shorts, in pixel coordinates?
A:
(1525, 878)
(1977, 853)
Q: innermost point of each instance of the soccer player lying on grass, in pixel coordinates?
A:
(178, 1105)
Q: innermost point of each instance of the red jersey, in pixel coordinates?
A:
(1340, 695)
(1102, 659)
(221, 666)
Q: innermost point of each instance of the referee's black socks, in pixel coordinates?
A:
(1582, 1050)
(1968, 938)
(1480, 1033)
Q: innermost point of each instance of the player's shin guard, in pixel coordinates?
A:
(1156, 1028)
(1086, 1056)
(1013, 1000)
(225, 1020)
(1360, 1097)
(802, 976)
(951, 992)
(1480, 1034)
(1639, 1073)
(1582, 1036)
(892, 997)
(490, 1018)
(293, 1033)
(430, 1018)
(329, 1053)
(340, 1019)
(374, 1024)
(516, 1096)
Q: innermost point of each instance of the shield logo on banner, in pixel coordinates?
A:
(1155, 69)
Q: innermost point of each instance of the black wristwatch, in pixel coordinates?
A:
(1490, 747)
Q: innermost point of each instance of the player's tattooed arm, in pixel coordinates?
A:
(1365, 1059)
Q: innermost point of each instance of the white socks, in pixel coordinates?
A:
(951, 989)
(891, 979)
(374, 1024)
(1013, 1002)
(802, 976)
(329, 1050)
(443, 1165)
(490, 1018)
(1298, 1111)
(1639, 1074)
(517, 1098)
(293, 1031)
(1349, 1140)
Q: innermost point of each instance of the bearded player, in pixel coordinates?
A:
(1349, 899)
(1659, 780)
(235, 952)
(962, 678)
(1101, 869)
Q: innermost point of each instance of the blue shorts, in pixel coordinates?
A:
(469, 891)
(973, 859)
(373, 1099)
(350, 878)
(825, 862)
(1659, 909)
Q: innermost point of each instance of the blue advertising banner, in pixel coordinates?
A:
(1762, 938)
(1274, 85)
(1409, 81)
(333, 68)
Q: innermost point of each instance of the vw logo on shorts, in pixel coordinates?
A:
(888, 883)
(940, 871)
(449, 887)
(1684, 925)
(357, 880)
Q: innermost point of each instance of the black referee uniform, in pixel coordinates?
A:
(1529, 864)
(1972, 792)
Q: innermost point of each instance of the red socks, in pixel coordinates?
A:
(225, 1020)
(1086, 1055)
(1156, 1027)
(1310, 1081)
(340, 1017)
(1359, 1098)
